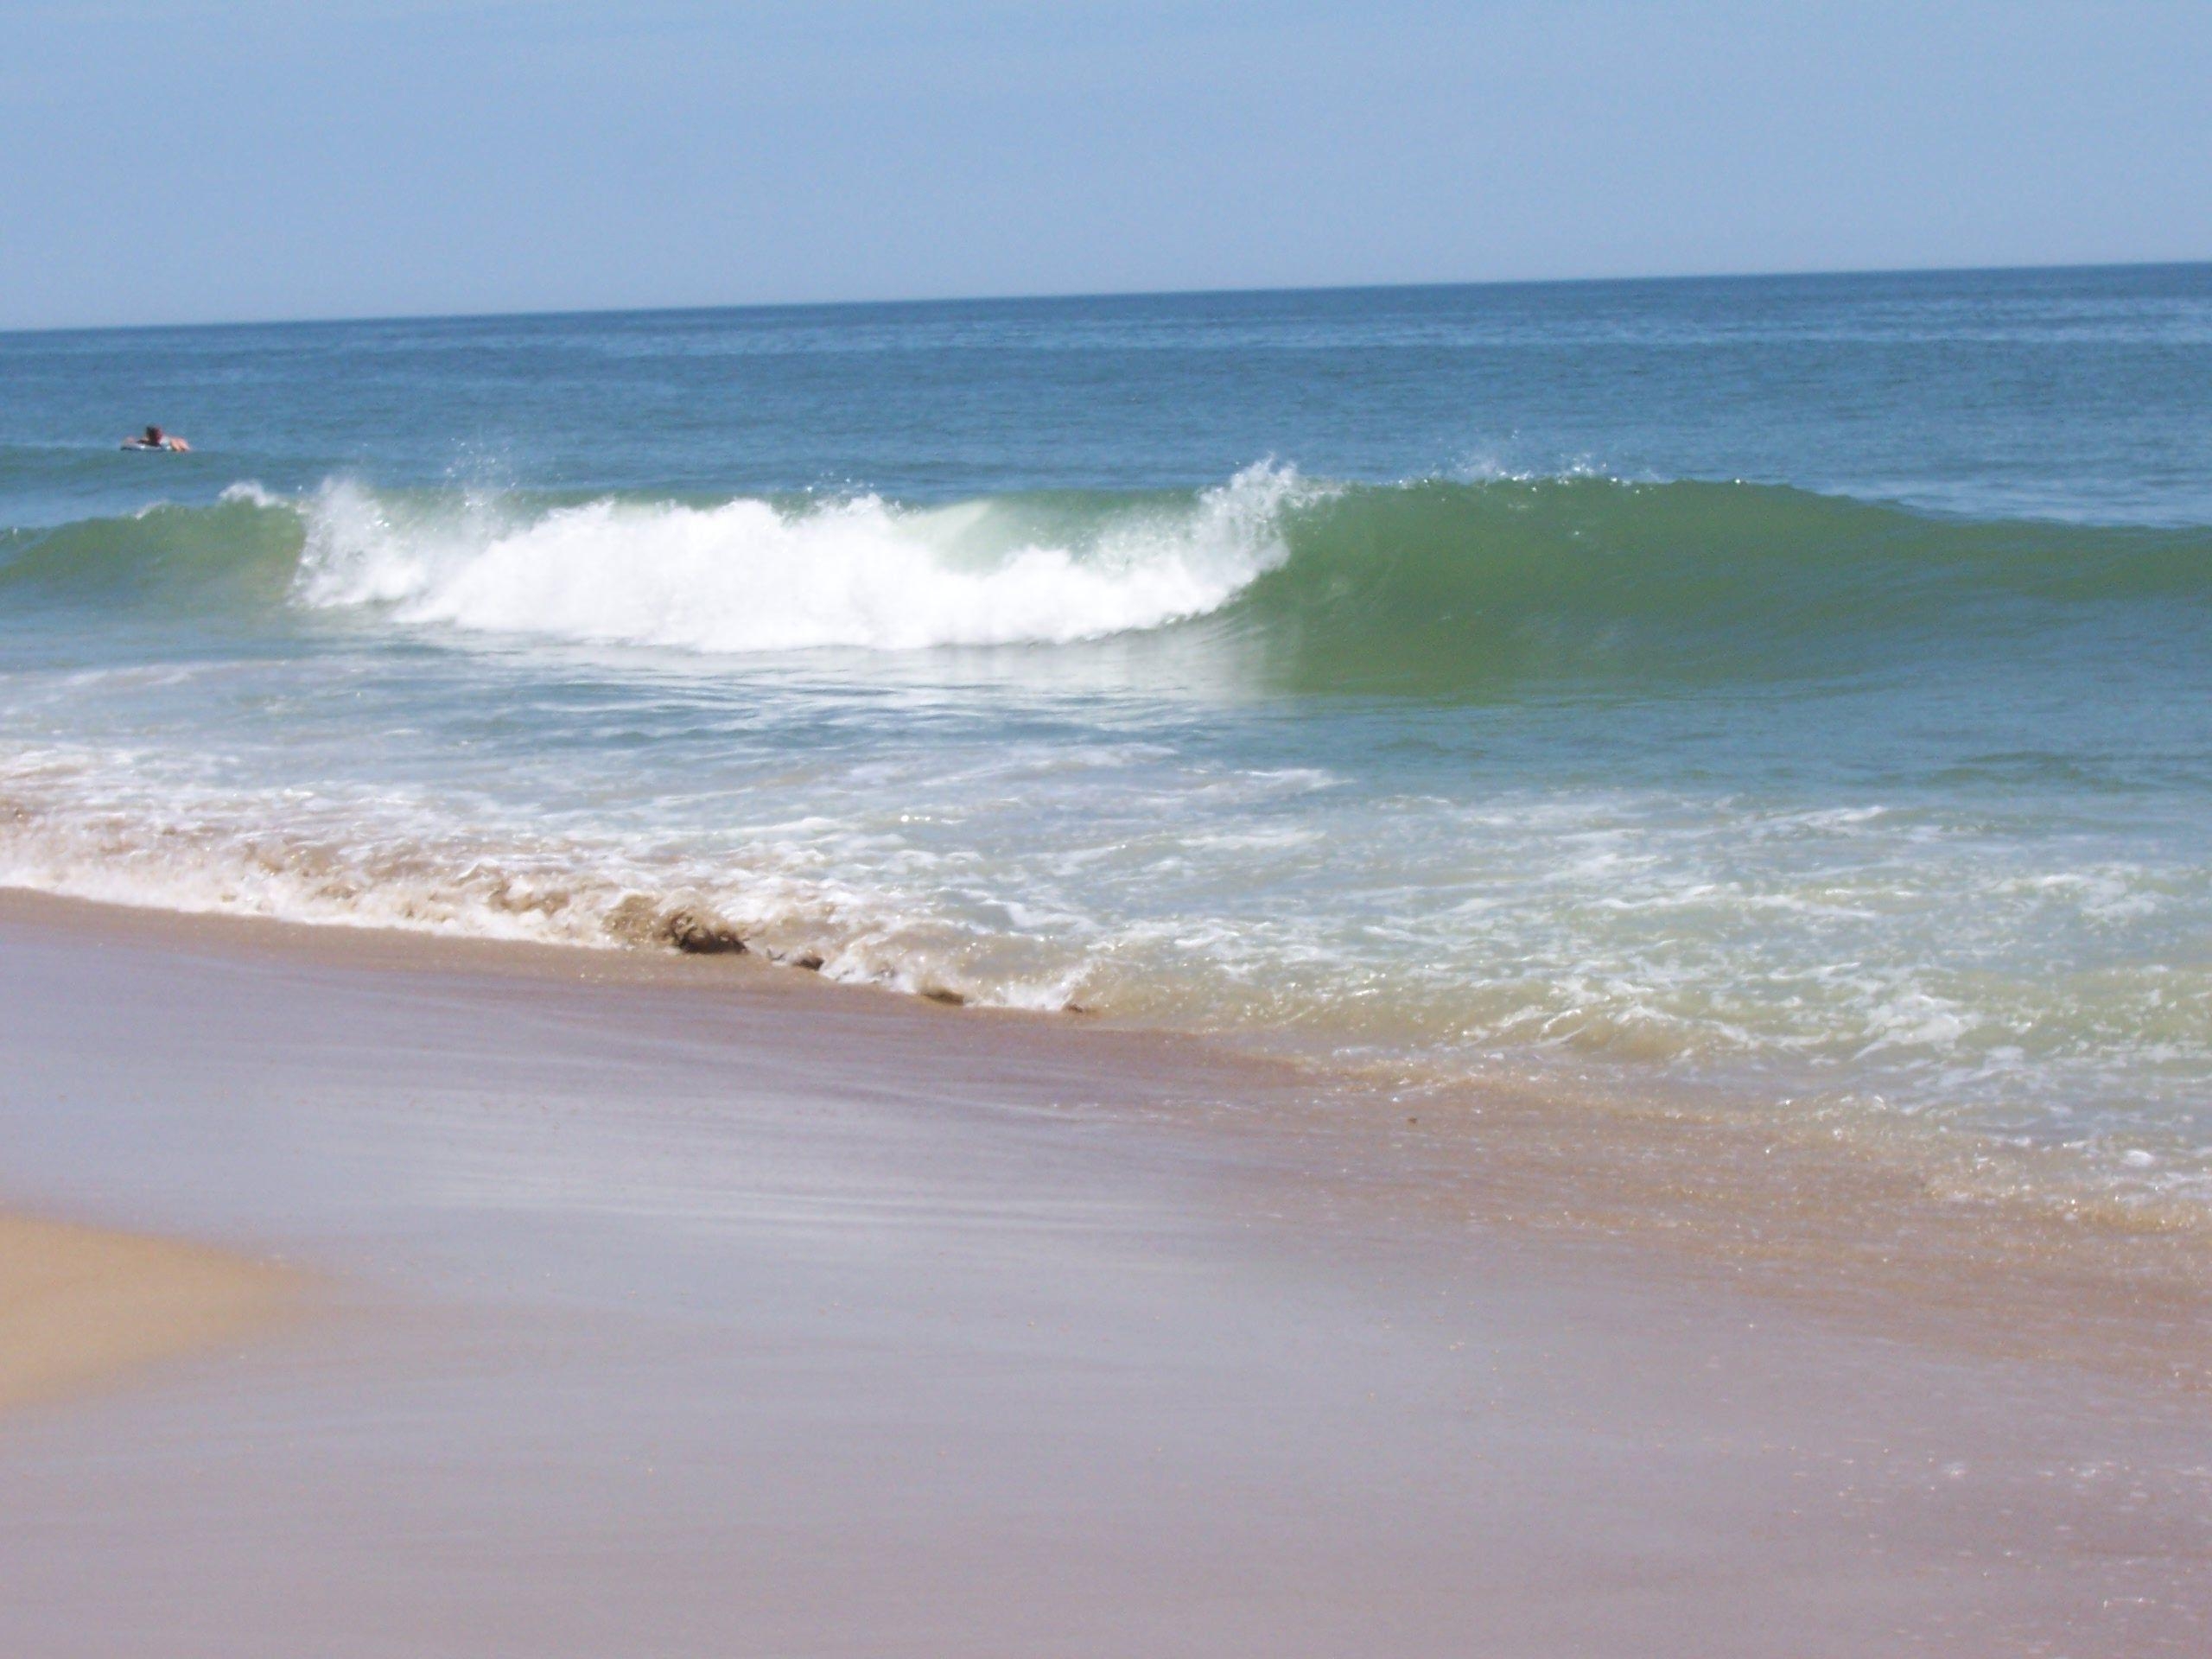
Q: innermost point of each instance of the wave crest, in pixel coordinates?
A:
(1436, 588)
(752, 576)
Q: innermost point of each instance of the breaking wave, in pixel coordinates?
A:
(750, 575)
(1434, 586)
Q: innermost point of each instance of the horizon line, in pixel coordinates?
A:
(1062, 296)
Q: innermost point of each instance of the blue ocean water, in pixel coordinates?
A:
(1793, 690)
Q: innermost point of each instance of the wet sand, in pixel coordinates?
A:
(679, 1307)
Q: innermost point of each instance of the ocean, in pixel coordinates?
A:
(1791, 695)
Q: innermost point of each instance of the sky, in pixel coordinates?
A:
(191, 162)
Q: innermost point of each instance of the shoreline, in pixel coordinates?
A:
(1897, 1227)
(691, 1308)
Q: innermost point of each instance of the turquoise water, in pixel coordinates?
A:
(1792, 690)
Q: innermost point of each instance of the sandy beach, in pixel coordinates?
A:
(1173, 832)
(83, 1306)
(678, 1308)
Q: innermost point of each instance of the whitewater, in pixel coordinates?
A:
(747, 575)
(1429, 685)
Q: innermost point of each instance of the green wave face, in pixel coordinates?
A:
(1434, 589)
(241, 554)
(1442, 586)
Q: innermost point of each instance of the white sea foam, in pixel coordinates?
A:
(87, 824)
(751, 576)
(1128, 887)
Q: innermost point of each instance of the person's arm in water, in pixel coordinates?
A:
(179, 445)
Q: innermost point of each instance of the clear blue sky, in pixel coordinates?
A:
(191, 160)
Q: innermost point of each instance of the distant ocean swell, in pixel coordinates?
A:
(1432, 587)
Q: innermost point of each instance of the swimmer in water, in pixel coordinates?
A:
(154, 438)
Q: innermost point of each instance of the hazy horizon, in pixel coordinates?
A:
(863, 302)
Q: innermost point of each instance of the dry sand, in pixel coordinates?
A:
(84, 1306)
(687, 1308)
